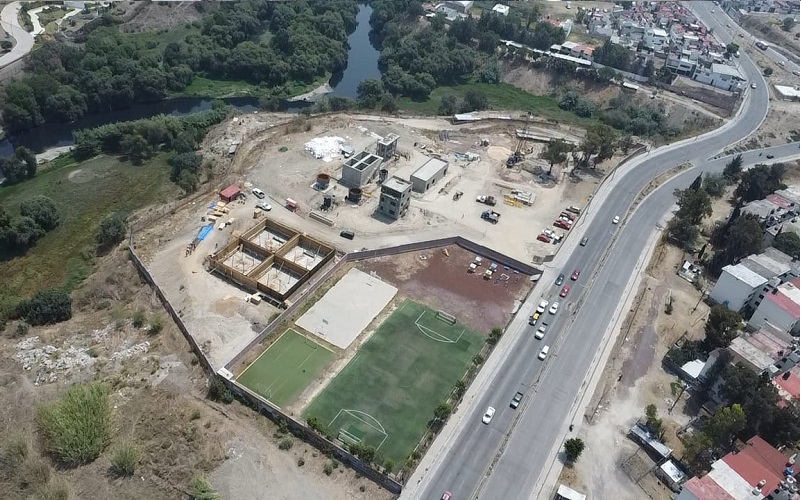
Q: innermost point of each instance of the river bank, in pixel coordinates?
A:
(313, 95)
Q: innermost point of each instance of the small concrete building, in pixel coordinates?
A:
(387, 146)
(428, 174)
(396, 193)
(670, 474)
(360, 169)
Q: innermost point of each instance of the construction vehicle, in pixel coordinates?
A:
(491, 216)
(487, 200)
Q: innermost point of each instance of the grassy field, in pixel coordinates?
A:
(501, 96)
(387, 394)
(205, 87)
(84, 193)
(286, 368)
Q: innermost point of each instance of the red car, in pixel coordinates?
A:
(565, 291)
(561, 224)
(575, 275)
(544, 237)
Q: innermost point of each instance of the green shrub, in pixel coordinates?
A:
(285, 443)
(125, 459)
(200, 489)
(155, 326)
(301, 462)
(77, 427)
(218, 391)
(14, 451)
(22, 329)
(55, 489)
(46, 307)
(195, 414)
(138, 319)
(328, 468)
(111, 231)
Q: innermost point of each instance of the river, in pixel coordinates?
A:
(362, 65)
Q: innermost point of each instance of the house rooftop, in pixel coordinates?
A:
(789, 384)
(759, 461)
(751, 353)
(746, 275)
(397, 184)
(723, 69)
(706, 488)
(786, 298)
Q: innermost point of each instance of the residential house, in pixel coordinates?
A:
(745, 284)
(789, 386)
(763, 351)
(681, 65)
(656, 39)
(450, 14)
(780, 308)
(758, 471)
(721, 77)
(501, 9)
(462, 6)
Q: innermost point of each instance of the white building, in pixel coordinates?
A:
(656, 39)
(721, 77)
(736, 287)
(681, 66)
(779, 308)
(501, 9)
(463, 6)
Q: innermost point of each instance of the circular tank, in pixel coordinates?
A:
(323, 180)
(355, 195)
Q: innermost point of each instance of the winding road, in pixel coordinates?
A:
(515, 456)
(9, 20)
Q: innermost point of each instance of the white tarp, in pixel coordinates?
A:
(325, 148)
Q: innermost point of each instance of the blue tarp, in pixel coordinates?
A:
(204, 231)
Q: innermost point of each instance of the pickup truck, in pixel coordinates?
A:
(487, 200)
(491, 216)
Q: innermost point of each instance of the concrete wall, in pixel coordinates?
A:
(359, 169)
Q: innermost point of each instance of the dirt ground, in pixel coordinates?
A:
(634, 378)
(442, 282)
(156, 16)
(159, 402)
(768, 27)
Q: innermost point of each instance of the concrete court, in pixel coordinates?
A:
(347, 308)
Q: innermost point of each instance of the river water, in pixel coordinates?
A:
(362, 65)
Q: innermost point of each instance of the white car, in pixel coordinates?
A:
(616, 219)
(541, 331)
(264, 206)
(543, 305)
(258, 193)
(544, 352)
(554, 308)
(487, 418)
(753, 85)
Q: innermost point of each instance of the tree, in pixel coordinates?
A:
(722, 326)
(695, 444)
(370, 92)
(732, 48)
(448, 105)
(388, 103)
(694, 204)
(654, 422)
(742, 238)
(442, 411)
(788, 23)
(726, 423)
(555, 151)
(733, 169)
(187, 181)
(136, 148)
(574, 447)
(754, 392)
(188, 161)
(683, 231)
(46, 308)
(42, 210)
(474, 100)
(760, 181)
(22, 234)
(714, 184)
(601, 141)
(111, 231)
(677, 389)
(767, 72)
(787, 242)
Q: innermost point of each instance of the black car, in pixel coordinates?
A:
(770, 157)
(516, 400)
(560, 279)
(583, 242)
(347, 234)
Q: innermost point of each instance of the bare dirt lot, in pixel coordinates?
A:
(159, 405)
(614, 466)
(442, 282)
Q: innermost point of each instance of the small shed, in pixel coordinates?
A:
(670, 474)
(429, 173)
(230, 193)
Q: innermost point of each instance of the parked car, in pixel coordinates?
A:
(532, 320)
(487, 418)
(554, 308)
(540, 333)
(584, 241)
(616, 219)
(565, 291)
(544, 352)
(446, 496)
(264, 206)
(753, 85)
(543, 305)
(575, 275)
(561, 224)
(348, 235)
(258, 193)
(560, 279)
(543, 237)
(518, 397)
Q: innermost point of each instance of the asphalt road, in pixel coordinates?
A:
(577, 330)
(10, 23)
(747, 37)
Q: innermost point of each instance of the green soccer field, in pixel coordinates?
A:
(387, 394)
(286, 368)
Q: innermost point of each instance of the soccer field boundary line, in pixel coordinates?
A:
(428, 332)
(311, 339)
(354, 414)
(260, 355)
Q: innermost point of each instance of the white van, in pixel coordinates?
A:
(258, 193)
(544, 352)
